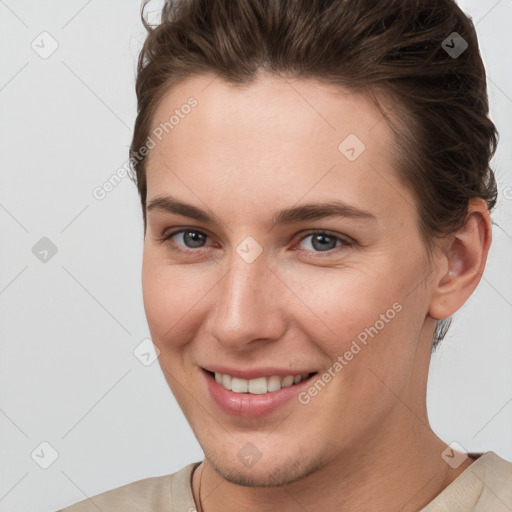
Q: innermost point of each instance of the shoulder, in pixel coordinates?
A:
(485, 485)
(496, 476)
(161, 493)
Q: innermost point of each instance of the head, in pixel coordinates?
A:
(264, 115)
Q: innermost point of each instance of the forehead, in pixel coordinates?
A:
(273, 138)
(291, 107)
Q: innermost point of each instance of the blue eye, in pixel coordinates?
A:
(322, 241)
(193, 241)
(190, 238)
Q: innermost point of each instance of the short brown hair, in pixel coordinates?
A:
(389, 49)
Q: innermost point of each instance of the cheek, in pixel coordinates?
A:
(172, 301)
(366, 314)
(339, 305)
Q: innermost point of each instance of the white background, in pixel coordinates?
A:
(68, 327)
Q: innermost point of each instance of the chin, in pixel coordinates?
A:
(264, 473)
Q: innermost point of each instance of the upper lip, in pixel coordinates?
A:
(254, 373)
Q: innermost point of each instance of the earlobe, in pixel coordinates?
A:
(462, 261)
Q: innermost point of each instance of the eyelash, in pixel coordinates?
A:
(167, 239)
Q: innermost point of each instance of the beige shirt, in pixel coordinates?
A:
(485, 486)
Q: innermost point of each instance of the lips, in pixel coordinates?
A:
(254, 393)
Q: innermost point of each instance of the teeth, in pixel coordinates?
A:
(239, 385)
(258, 386)
(287, 381)
(226, 381)
(274, 383)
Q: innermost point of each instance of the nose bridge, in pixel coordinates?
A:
(247, 305)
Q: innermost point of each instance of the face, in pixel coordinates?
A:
(279, 249)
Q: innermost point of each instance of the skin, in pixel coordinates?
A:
(363, 442)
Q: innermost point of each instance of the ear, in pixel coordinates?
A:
(462, 261)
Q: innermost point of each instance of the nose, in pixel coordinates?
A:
(250, 305)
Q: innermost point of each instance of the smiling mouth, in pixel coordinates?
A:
(260, 385)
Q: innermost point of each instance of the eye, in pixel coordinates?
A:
(323, 241)
(189, 239)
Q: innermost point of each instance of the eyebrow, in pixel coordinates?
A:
(301, 213)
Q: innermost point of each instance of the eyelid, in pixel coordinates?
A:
(345, 240)
(167, 238)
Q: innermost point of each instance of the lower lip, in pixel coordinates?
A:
(248, 405)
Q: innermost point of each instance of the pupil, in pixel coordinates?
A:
(195, 239)
(324, 240)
